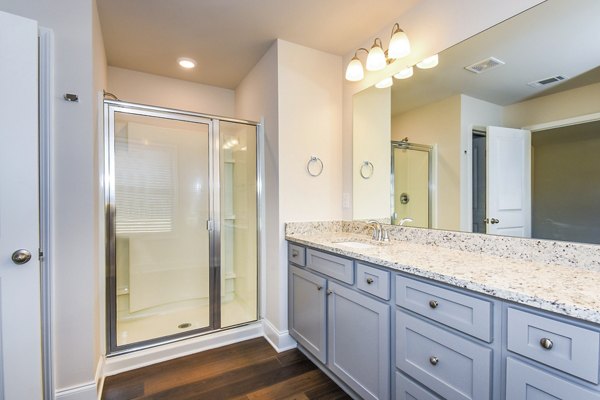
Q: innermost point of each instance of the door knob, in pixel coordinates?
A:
(494, 221)
(21, 256)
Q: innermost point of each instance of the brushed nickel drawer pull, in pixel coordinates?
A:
(319, 287)
(433, 303)
(434, 360)
(295, 253)
(369, 281)
(546, 343)
(329, 292)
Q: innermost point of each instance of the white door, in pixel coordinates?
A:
(508, 182)
(20, 332)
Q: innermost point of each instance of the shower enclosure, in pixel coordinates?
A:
(411, 184)
(182, 224)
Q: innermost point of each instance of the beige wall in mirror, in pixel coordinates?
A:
(544, 75)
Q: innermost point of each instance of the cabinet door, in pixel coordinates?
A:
(524, 382)
(307, 310)
(359, 341)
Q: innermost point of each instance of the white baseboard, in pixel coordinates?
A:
(141, 358)
(280, 340)
(87, 391)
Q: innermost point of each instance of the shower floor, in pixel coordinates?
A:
(165, 321)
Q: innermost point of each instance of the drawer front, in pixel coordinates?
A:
(373, 280)
(574, 350)
(467, 314)
(524, 382)
(409, 390)
(452, 366)
(339, 268)
(297, 254)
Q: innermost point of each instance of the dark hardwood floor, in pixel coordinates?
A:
(248, 370)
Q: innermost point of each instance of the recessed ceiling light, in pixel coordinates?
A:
(187, 63)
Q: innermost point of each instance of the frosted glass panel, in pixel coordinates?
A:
(162, 244)
(239, 238)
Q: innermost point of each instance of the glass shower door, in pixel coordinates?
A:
(160, 204)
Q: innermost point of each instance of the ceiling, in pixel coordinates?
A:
(553, 38)
(228, 37)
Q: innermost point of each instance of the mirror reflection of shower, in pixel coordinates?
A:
(411, 184)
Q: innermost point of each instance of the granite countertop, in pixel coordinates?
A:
(566, 290)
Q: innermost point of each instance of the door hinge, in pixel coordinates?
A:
(40, 254)
(209, 225)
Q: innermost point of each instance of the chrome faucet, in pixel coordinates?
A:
(405, 220)
(379, 233)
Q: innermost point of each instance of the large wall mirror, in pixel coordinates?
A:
(509, 146)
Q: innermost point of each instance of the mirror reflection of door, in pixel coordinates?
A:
(502, 181)
(411, 176)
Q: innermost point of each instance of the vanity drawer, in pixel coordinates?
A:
(453, 367)
(296, 254)
(574, 350)
(467, 314)
(406, 389)
(336, 267)
(524, 382)
(373, 280)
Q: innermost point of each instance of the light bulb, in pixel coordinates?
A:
(387, 82)
(429, 62)
(376, 59)
(405, 73)
(186, 63)
(354, 71)
(399, 45)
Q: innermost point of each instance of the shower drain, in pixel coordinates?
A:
(184, 325)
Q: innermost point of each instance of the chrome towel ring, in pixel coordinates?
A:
(314, 166)
(366, 169)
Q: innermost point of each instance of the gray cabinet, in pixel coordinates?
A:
(448, 364)
(359, 341)
(524, 382)
(307, 311)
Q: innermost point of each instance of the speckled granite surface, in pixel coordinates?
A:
(531, 276)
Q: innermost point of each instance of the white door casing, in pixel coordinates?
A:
(508, 181)
(20, 333)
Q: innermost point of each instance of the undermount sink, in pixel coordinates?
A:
(356, 245)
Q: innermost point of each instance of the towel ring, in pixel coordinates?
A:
(314, 166)
(366, 169)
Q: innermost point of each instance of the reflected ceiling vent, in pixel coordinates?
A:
(547, 81)
(485, 65)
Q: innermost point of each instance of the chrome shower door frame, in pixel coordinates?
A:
(417, 147)
(213, 225)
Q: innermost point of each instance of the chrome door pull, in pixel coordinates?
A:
(433, 303)
(546, 343)
(369, 281)
(434, 360)
(21, 256)
(494, 221)
(319, 287)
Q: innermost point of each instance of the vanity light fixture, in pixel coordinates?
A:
(387, 82)
(377, 57)
(429, 62)
(186, 63)
(405, 73)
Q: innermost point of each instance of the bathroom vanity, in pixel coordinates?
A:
(403, 320)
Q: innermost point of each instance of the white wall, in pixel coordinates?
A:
(371, 127)
(256, 98)
(431, 26)
(298, 91)
(140, 87)
(74, 186)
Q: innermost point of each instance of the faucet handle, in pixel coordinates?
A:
(385, 237)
